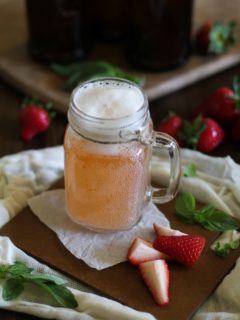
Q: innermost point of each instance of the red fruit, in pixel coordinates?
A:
(163, 231)
(172, 125)
(185, 249)
(203, 134)
(223, 105)
(156, 276)
(33, 120)
(202, 37)
(234, 133)
(142, 250)
(211, 137)
(215, 38)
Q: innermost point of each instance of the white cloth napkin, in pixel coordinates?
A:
(98, 250)
(24, 174)
(32, 301)
(217, 182)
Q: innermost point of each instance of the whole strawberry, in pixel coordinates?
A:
(171, 125)
(203, 134)
(185, 249)
(34, 118)
(215, 37)
(223, 104)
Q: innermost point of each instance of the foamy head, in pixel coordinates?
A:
(106, 107)
(108, 99)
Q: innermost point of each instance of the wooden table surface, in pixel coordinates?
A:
(12, 32)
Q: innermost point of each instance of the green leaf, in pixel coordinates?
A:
(185, 206)
(62, 295)
(18, 268)
(19, 273)
(215, 220)
(87, 70)
(225, 249)
(189, 170)
(12, 288)
(191, 131)
(3, 270)
(221, 37)
(44, 277)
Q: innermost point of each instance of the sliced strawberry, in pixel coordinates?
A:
(142, 250)
(163, 231)
(156, 276)
(185, 249)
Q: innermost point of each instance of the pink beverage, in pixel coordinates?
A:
(107, 177)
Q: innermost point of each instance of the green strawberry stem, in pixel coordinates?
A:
(236, 89)
(48, 106)
(191, 131)
(221, 37)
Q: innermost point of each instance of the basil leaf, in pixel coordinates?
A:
(18, 268)
(215, 220)
(62, 295)
(185, 206)
(82, 71)
(12, 289)
(19, 273)
(189, 170)
(44, 277)
(225, 249)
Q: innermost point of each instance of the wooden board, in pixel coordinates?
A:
(35, 79)
(189, 287)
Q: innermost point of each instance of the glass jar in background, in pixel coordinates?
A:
(107, 149)
(109, 19)
(158, 33)
(59, 30)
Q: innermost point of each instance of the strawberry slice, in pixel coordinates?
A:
(156, 276)
(142, 250)
(185, 249)
(163, 231)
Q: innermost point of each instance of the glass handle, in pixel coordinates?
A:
(164, 141)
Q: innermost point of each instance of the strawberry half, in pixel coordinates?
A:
(215, 37)
(185, 249)
(142, 250)
(163, 231)
(156, 276)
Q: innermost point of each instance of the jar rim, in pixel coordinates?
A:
(107, 129)
(91, 118)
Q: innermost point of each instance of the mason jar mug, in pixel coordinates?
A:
(108, 146)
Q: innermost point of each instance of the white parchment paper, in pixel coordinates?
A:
(97, 250)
